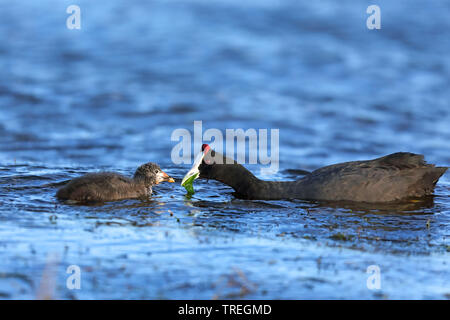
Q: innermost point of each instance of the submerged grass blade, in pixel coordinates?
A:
(189, 184)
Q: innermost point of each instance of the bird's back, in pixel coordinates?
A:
(103, 186)
(389, 178)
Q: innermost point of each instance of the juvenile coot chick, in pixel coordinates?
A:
(110, 186)
(390, 178)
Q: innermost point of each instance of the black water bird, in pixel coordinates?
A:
(397, 176)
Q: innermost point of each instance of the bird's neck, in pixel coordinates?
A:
(235, 176)
(143, 181)
(248, 186)
(142, 184)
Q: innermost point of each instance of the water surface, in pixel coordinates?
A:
(108, 97)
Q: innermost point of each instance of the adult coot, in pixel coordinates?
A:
(110, 186)
(393, 177)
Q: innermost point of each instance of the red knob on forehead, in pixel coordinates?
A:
(205, 147)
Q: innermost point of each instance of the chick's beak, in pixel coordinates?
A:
(162, 176)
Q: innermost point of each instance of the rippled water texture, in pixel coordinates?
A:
(108, 96)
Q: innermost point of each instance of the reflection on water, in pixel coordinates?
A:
(107, 97)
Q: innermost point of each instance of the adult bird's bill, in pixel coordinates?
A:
(193, 174)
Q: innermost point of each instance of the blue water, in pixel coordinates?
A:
(108, 97)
